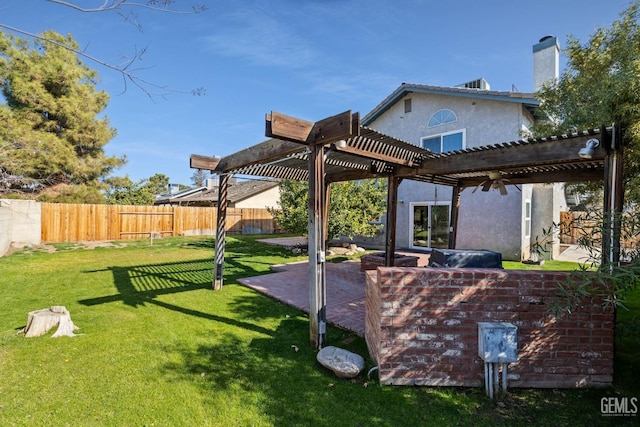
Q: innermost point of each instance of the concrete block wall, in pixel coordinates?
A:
(5, 221)
(422, 328)
(20, 223)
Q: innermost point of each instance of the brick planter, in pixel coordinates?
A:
(421, 328)
(375, 260)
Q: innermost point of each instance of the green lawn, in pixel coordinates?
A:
(159, 347)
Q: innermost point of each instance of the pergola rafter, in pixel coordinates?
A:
(339, 149)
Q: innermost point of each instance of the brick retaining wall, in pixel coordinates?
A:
(422, 328)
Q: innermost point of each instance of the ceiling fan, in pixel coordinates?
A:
(495, 182)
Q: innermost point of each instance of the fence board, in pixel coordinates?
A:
(76, 222)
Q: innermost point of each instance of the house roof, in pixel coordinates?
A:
(237, 192)
(528, 100)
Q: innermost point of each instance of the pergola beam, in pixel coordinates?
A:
(269, 150)
(325, 131)
(367, 154)
(542, 177)
(196, 161)
(559, 151)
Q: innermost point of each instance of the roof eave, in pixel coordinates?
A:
(526, 99)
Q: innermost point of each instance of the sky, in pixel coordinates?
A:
(309, 59)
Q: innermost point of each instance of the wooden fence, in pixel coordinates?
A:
(74, 222)
(574, 225)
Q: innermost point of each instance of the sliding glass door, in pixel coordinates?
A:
(430, 225)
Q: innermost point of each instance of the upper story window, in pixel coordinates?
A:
(442, 116)
(407, 105)
(450, 141)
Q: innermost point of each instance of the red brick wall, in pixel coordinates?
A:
(422, 328)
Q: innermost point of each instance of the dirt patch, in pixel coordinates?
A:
(49, 248)
(98, 244)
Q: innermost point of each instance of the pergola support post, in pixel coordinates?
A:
(221, 232)
(317, 247)
(453, 221)
(392, 214)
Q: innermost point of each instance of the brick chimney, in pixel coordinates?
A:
(546, 54)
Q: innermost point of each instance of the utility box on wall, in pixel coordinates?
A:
(497, 342)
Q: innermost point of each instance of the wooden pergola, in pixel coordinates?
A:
(338, 149)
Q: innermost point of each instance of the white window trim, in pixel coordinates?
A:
(525, 219)
(464, 137)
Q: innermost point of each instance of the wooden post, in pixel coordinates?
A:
(327, 198)
(453, 222)
(221, 231)
(317, 279)
(392, 215)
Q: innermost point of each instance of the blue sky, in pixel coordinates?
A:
(306, 58)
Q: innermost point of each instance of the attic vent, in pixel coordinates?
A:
(476, 84)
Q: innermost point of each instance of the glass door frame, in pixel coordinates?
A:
(429, 206)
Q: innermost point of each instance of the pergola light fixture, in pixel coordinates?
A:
(589, 148)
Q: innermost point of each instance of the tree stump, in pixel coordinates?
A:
(39, 322)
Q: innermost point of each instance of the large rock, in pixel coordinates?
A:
(343, 363)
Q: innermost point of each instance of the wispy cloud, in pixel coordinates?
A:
(256, 37)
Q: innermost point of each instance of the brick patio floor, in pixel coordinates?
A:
(345, 289)
(345, 285)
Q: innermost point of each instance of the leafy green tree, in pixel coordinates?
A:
(600, 85)
(50, 132)
(355, 207)
(123, 191)
(293, 206)
(156, 184)
(75, 194)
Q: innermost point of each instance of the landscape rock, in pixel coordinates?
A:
(343, 363)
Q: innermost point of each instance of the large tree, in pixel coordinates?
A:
(354, 208)
(600, 85)
(123, 191)
(51, 133)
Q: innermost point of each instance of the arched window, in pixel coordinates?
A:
(442, 116)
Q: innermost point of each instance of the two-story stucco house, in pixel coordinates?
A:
(462, 117)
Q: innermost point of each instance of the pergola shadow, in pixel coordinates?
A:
(140, 285)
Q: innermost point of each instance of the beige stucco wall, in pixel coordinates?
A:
(487, 220)
(266, 199)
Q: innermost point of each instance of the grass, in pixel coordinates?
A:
(553, 265)
(159, 347)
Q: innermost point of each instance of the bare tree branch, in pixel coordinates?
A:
(110, 5)
(128, 73)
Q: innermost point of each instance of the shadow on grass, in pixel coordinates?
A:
(139, 283)
(269, 377)
(142, 284)
(266, 378)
